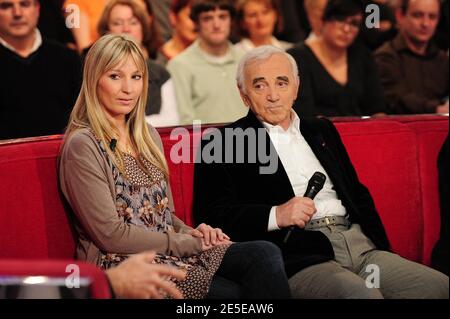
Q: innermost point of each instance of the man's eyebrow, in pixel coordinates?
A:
(283, 78)
(256, 80)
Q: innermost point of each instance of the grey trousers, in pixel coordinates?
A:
(359, 270)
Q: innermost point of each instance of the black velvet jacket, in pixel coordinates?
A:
(238, 199)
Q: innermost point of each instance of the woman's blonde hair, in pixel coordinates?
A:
(107, 53)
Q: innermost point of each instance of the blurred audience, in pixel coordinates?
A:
(373, 38)
(42, 78)
(339, 77)
(161, 8)
(183, 31)
(130, 17)
(257, 21)
(90, 12)
(295, 24)
(204, 73)
(314, 10)
(52, 24)
(414, 72)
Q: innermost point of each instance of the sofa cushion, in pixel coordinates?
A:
(384, 154)
(33, 223)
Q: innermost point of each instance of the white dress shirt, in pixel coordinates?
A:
(36, 45)
(300, 164)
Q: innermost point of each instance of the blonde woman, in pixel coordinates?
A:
(114, 176)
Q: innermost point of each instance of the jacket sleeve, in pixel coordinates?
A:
(216, 202)
(84, 183)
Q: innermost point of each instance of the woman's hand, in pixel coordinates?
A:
(211, 236)
(138, 278)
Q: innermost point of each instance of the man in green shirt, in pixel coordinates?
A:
(203, 74)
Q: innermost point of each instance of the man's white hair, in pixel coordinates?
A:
(262, 53)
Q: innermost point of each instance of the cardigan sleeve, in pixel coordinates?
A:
(84, 183)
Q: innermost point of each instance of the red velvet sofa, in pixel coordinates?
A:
(394, 156)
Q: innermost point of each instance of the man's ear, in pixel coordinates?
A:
(245, 98)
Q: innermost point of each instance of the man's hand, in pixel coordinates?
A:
(296, 212)
(138, 278)
(442, 109)
(211, 236)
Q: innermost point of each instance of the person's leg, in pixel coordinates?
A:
(401, 278)
(222, 288)
(329, 280)
(258, 268)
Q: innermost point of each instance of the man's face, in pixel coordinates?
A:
(18, 18)
(420, 20)
(214, 26)
(271, 90)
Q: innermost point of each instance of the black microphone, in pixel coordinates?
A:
(112, 144)
(315, 184)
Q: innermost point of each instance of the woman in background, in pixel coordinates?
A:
(130, 17)
(257, 21)
(183, 31)
(338, 77)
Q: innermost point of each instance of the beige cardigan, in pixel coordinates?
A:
(87, 183)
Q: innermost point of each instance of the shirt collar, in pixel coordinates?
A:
(36, 45)
(229, 57)
(399, 45)
(294, 127)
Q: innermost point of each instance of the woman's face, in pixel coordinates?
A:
(120, 88)
(122, 21)
(259, 19)
(184, 26)
(343, 32)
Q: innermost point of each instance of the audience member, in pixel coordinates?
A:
(40, 78)
(161, 9)
(294, 25)
(257, 21)
(114, 175)
(203, 74)
(183, 31)
(130, 17)
(414, 72)
(314, 11)
(339, 77)
(52, 23)
(374, 37)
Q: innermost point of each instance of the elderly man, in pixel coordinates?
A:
(335, 237)
(41, 79)
(413, 72)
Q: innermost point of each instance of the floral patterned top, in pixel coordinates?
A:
(142, 200)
